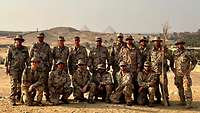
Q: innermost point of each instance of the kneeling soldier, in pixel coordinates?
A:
(32, 83)
(147, 81)
(125, 86)
(59, 84)
(82, 83)
(103, 81)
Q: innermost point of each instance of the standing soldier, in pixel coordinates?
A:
(156, 61)
(42, 50)
(76, 53)
(99, 55)
(144, 50)
(185, 62)
(33, 83)
(60, 52)
(59, 84)
(82, 83)
(103, 81)
(115, 55)
(16, 61)
(130, 54)
(124, 87)
(147, 82)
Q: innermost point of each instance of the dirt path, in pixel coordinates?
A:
(102, 107)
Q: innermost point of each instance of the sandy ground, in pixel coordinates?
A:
(102, 107)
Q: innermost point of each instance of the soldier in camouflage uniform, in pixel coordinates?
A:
(16, 61)
(59, 84)
(130, 54)
(33, 83)
(115, 55)
(124, 87)
(42, 50)
(82, 83)
(147, 82)
(185, 62)
(76, 53)
(144, 50)
(156, 61)
(60, 52)
(98, 55)
(103, 82)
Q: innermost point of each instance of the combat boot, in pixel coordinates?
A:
(188, 105)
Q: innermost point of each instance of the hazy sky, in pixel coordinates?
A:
(122, 15)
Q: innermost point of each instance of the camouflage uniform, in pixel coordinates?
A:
(97, 56)
(103, 81)
(82, 79)
(74, 56)
(147, 83)
(59, 83)
(60, 54)
(16, 61)
(43, 51)
(115, 56)
(124, 87)
(32, 79)
(156, 60)
(184, 64)
(132, 57)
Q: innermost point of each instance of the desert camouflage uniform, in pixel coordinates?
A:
(16, 61)
(115, 58)
(132, 57)
(60, 54)
(147, 83)
(59, 84)
(104, 85)
(124, 87)
(34, 79)
(156, 61)
(43, 51)
(74, 56)
(184, 63)
(81, 79)
(98, 55)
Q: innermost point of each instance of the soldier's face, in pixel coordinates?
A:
(180, 46)
(129, 42)
(34, 65)
(41, 39)
(120, 39)
(61, 66)
(81, 66)
(123, 67)
(101, 70)
(143, 43)
(157, 43)
(147, 68)
(77, 42)
(98, 43)
(61, 43)
(18, 43)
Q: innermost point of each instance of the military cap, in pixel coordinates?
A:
(35, 59)
(19, 37)
(76, 38)
(61, 38)
(122, 63)
(156, 39)
(120, 35)
(129, 38)
(179, 42)
(98, 39)
(147, 64)
(59, 62)
(143, 38)
(100, 66)
(41, 35)
(80, 62)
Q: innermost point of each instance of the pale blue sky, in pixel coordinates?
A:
(122, 15)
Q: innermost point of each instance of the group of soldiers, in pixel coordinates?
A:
(138, 76)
